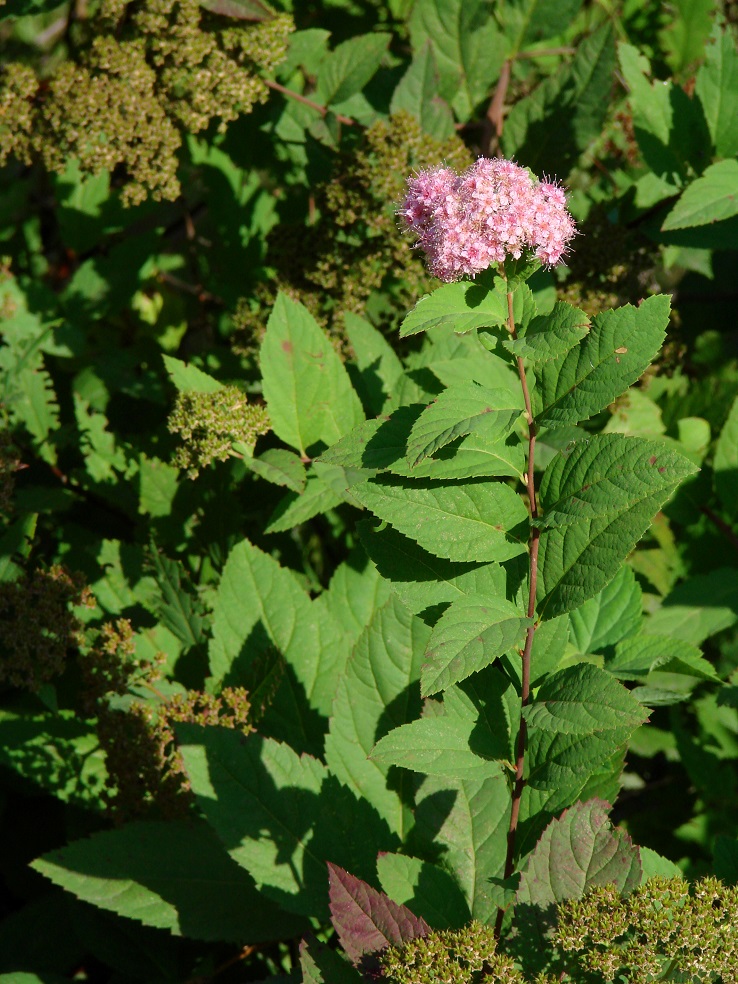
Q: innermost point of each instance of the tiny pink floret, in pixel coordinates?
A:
(494, 210)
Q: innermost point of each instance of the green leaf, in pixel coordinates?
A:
(463, 305)
(579, 556)
(725, 464)
(551, 335)
(259, 602)
(280, 467)
(378, 692)
(425, 889)
(549, 129)
(417, 94)
(57, 751)
(582, 700)
(298, 507)
(460, 410)
(177, 609)
(576, 853)
(528, 22)
(158, 484)
(683, 40)
(349, 67)
(307, 390)
(378, 365)
(188, 378)
(716, 87)
(653, 865)
(710, 198)
(172, 875)
(549, 645)
(580, 718)
(468, 46)
(279, 814)
(470, 521)
(355, 593)
(467, 820)
(726, 859)
(322, 965)
(436, 746)
(642, 654)
(17, 542)
(698, 607)
(469, 635)
(421, 579)
(611, 615)
(619, 347)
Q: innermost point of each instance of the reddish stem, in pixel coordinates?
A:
(528, 648)
(298, 97)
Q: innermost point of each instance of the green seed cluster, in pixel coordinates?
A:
(463, 956)
(38, 625)
(356, 246)
(155, 69)
(109, 664)
(664, 930)
(209, 424)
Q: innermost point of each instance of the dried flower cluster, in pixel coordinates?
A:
(355, 247)
(110, 665)
(155, 69)
(38, 625)
(495, 209)
(663, 928)
(209, 424)
(146, 773)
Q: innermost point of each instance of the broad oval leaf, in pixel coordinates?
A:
(463, 305)
(710, 198)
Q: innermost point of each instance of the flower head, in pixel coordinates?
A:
(494, 210)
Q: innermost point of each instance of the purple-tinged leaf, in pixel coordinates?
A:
(248, 10)
(367, 920)
(576, 852)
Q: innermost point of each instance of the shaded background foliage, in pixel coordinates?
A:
(167, 168)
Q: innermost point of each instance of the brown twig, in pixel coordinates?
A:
(730, 535)
(298, 97)
(528, 648)
(494, 120)
(241, 955)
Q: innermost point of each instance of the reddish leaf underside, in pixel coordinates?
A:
(367, 920)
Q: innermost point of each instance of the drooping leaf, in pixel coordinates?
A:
(279, 466)
(579, 851)
(716, 87)
(725, 464)
(471, 521)
(298, 507)
(470, 634)
(417, 94)
(172, 875)
(710, 198)
(619, 346)
(462, 306)
(640, 655)
(468, 45)
(461, 410)
(616, 485)
(178, 609)
(307, 390)
(366, 920)
(425, 888)
(378, 365)
(378, 692)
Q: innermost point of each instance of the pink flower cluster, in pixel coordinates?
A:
(495, 209)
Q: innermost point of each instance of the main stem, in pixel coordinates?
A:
(527, 649)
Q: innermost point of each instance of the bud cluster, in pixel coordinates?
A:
(495, 209)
